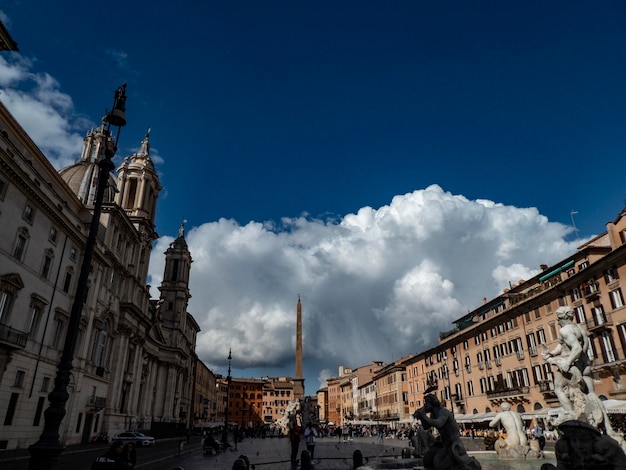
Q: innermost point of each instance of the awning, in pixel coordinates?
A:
(615, 406)
(542, 413)
(474, 418)
(556, 271)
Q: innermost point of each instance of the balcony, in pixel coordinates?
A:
(533, 351)
(97, 402)
(590, 290)
(468, 368)
(498, 361)
(546, 386)
(481, 366)
(12, 338)
(488, 363)
(520, 354)
(599, 322)
(507, 392)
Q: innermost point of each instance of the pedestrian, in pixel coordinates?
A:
(310, 433)
(113, 459)
(129, 456)
(538, 433)
(294, 440)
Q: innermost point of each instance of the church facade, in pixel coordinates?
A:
(134, 358)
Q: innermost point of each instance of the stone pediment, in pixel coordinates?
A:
(11, 282)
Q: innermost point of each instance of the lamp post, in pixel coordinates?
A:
(44, 454)
(228, 380)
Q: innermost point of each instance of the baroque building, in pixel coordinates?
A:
(134, 358)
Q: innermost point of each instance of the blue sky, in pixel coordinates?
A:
(302, 142)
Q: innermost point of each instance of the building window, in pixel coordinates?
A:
(8, 417)
(579, 314)
(617, 299)
(39, 411)
(101, 340)
(29, 213)
(583, 265)
(53, 236)
(6, 301)
(19, 379)
(47, 264)
(67, 282)
(537, 313)
(20, 244)
(611, 275)
(58, 333)
(33, 321)
(45, 384)
(79, 421)
(73, 254)
(3, 187)
(541, 336)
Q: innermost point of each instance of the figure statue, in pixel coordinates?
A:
(583, 446)
(573, 384)
(515, 445)
(573, 369)
(513, 425)
(450, 453)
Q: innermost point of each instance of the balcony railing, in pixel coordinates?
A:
(14, 339)
(599, 321)
(488, 363)
(481, 366)
(97, 402)
(546, 386)
(591, 290)
(508, 392)
(533, 351)
(520, 354)
(498, 361)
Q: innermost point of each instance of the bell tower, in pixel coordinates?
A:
(139, 186)
(174, 289)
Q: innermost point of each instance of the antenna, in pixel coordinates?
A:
(572, 214)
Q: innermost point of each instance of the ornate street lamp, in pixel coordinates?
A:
(228, 380)
(44, 454)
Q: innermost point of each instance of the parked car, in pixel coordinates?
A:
(139, 439)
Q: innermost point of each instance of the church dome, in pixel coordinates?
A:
(82, 177)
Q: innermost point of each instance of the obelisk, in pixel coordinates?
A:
(298, 385)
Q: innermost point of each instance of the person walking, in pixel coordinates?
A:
(294, 440)
(129, 456)
(538, 433)
(310, 433)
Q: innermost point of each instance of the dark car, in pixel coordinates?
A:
(139, 439)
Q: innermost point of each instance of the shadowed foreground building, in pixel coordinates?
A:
(134, 357)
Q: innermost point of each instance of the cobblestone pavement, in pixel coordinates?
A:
(273, 454)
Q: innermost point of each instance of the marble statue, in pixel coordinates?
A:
(450, 453)
(515, 445)
(573, 384)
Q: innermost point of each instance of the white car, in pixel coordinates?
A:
(137, 438)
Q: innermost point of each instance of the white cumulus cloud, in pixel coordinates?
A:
(377, 285)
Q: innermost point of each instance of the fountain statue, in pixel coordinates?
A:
(515, 445)
(573, 384)
(449, 453)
